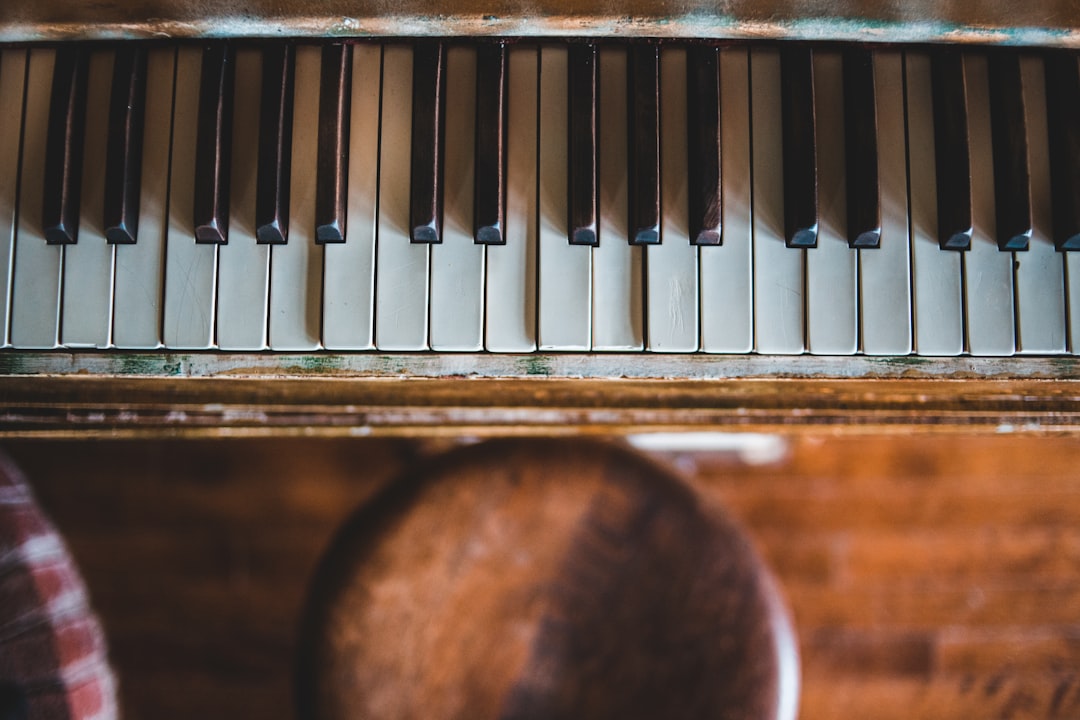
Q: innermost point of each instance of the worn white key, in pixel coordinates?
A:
(88, 264)
(672, 266)
(190, 267)
(140, 268)
(296, 268)
(885, 271)
(457, 263)
(617, 320)
(1040, 273)
(939, 323)
(727, 273)
(243, 264)
(778, 269)
(510, 323)
(12, 83)
(35, 302)
(565, 307)
(988, 272)
(1072, 299)
(832, 267)
(401, 289)
(349, 267)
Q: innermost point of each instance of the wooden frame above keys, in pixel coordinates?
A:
(1045, 22)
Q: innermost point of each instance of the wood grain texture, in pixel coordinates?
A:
(393, 402)
(928, 576)
(543, 579)
(1047, 22)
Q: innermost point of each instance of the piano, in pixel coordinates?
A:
(361, 219)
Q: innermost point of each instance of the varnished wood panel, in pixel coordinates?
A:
(928, 576)
(1043, 22)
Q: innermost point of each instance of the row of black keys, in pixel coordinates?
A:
(211, 199)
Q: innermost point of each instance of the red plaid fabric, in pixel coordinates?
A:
(53, 662)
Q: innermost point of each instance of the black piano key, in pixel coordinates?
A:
(1008, 127)
(800, 147)
(64, 146)
(331, 187)
(703, 143)
(952, 151)
(643, 91)
(1063, 128)
(428, 134)
(490, 147)
(582, 144)
(860, 150)
(214, 145)
(123, 159)
(275, 145)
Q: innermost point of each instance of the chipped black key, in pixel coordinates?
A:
(428, 135)
(123, 159)
(490, 146)
(582, 144)
(643, 90)
(800, 147)
(703, 143)
(214, 145)
(275, 145)
(1063, 127)
(332, 174)
(64, 146)
(860, 150)
(952, 150)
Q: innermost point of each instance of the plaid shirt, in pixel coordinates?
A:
(53, 658)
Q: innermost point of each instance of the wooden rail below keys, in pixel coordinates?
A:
(164, 395)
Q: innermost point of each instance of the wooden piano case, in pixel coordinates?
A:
(921, 513)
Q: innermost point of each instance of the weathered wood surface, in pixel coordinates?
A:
(544, 578)
(928, 576)
(1046, 22)
(80, 395)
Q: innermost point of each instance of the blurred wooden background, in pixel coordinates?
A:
(929, 576)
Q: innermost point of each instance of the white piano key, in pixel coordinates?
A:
(939, 323)
(1040, 274)
(1072, 299)
(401, 289)
(885, 272)
(140, 268)
(672, 266)
(510, 324)
(12, 84)
(727, 314)
(565, 307)
(190, 267)
(832, 267)
(88, 265)
(349, 269)
(35, 302)
(457, 264)
(296, 268)
(617, 319)
(778, 269)
(988, 272)
(243, 264)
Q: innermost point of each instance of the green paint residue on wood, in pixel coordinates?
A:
(535, 366)
(12, 364)
(901, 360)
(319, 363)
(146, 365)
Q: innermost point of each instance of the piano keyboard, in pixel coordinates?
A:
(671, 197)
